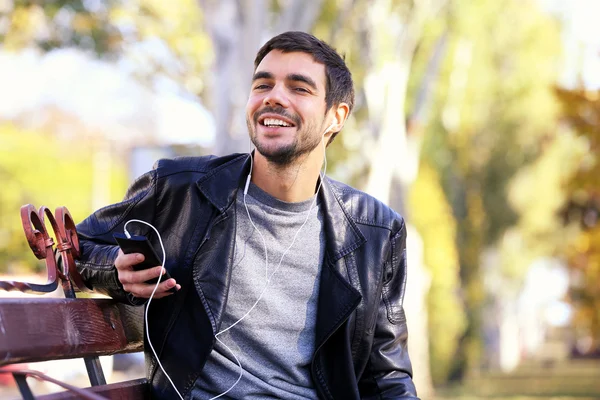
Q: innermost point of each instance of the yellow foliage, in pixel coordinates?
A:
(38, 168)
(178, 24)
(581, 108)
(432, 216)
(25, 21)
(83, 24)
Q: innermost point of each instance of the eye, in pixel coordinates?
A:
(261, 86)
(301, 90)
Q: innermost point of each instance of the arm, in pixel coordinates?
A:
(102, 265)
(389, 371)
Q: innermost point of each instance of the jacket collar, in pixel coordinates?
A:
(343, 236)
(220, 186)
(221, 183)
(337, 296)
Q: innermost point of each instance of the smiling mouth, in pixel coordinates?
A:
(274, 123)
(275, 120)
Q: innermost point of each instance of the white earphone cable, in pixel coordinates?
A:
(268, 282)
(267, 277)
(164, 259)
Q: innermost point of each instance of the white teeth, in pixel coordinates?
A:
(275, 122)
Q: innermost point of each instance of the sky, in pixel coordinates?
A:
(581, 36)
(103, 96)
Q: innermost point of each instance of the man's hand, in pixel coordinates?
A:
(134, 281)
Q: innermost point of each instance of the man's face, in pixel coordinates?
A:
(285, 112)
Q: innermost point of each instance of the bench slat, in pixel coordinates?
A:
(129, 390)
(47, 329)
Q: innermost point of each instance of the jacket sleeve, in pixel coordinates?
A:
(389, 372)
(97, 246)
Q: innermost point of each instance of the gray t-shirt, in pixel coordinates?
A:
(275, 342)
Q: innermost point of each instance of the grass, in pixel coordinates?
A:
(572, 380)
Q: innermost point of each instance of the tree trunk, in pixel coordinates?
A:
(237, 30)
(395, 159)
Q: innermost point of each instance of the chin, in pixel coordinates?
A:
(279, 155)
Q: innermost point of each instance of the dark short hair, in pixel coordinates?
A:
(339, 87)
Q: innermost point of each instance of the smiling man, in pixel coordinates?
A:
(290, 284)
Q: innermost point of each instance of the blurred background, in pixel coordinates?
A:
(478, 120)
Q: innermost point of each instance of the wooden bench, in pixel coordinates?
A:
(41, 329)
(36, 329)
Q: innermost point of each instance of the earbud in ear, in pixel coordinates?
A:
(328, 129)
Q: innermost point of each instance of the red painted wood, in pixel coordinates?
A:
(130, 390)
(47, 329)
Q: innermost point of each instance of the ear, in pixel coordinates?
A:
(340, 114)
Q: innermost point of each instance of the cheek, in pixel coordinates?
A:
(253, 105)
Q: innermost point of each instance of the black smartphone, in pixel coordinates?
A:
(141, 244)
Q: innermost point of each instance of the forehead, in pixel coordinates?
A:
(282, 64)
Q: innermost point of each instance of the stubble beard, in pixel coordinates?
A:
(286, 155)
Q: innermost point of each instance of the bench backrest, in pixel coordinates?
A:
(41, 329)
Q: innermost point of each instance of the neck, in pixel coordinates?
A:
(291, 183)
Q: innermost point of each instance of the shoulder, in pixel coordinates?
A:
(365, 209)
(194, 167)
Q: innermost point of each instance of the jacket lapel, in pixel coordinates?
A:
(221, 184)
(337, 297)
(212, 264)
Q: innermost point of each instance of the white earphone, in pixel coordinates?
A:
(248, 178)
(328, 129)
(267, 276)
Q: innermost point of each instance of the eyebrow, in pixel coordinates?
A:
(290, 77)
(302, 78)
(262, 75)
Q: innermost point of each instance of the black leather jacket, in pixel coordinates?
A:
(361, 335)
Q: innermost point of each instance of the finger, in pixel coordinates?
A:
(141, 276)
(127, 261)
(161, 295)
(144, 290)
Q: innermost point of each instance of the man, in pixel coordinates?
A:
(316, 313)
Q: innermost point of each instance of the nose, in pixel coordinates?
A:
(276, 97)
